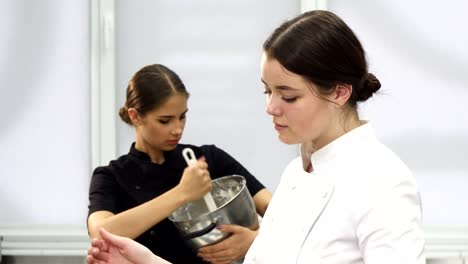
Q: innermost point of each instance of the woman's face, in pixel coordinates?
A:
(162, 128)
(299, 115)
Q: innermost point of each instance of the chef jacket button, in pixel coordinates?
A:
(325, 195)
(137, 187)
(152, 232)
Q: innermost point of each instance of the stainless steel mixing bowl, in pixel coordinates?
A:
(234, 203)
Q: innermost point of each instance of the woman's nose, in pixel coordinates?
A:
(272, 107)
(179, 128)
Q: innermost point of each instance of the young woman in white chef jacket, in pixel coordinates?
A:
(347, 199)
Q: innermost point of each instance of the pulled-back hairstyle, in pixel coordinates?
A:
(149, 88)
(321, 48)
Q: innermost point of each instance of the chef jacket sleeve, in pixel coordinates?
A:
(389, 229)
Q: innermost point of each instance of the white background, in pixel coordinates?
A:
(45, 106)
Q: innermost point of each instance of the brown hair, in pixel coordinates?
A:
(149, 88)
(320, 47)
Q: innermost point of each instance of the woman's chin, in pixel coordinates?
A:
(169, 147)
(287, 140)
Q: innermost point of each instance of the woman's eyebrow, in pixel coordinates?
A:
(171, 116)
(281, 87)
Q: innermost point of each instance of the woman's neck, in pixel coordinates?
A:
(307, 149)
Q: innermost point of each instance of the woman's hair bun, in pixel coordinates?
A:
(370, 86)
(123, 113)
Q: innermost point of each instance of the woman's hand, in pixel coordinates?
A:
(232, 248)
(114, 249)
(195, 181)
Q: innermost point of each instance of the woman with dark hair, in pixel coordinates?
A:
(134, 195)
(347, 199)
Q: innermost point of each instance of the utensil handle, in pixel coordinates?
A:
(201, 232)
(210, 203)
(190, 158)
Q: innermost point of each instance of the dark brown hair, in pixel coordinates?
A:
(320, 47)
(149, 88)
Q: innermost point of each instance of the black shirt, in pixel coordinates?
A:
(133, 179)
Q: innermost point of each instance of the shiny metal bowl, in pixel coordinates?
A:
(197, 225)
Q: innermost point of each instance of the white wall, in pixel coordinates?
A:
(418, 50)
(45, 107)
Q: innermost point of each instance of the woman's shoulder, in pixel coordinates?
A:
(114, 165)
(377, 170)
(382, 158)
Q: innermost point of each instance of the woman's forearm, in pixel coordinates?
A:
(135, 221)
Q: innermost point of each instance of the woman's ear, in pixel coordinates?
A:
(134, 116)
(342, 94)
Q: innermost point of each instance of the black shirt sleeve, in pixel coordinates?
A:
(222, 164)
(103, 191)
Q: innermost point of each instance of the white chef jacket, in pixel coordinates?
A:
(359, 205)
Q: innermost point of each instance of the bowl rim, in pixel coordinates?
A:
(244, 185)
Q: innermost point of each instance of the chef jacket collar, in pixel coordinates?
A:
(145, 157)
(345, 143)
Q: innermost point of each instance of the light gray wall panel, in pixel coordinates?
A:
(45, 106)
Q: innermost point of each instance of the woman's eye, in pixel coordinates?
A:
(290, 100)
(183, 117)
(164, 122)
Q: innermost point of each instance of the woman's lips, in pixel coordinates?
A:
(279, 127)
(173, 142)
